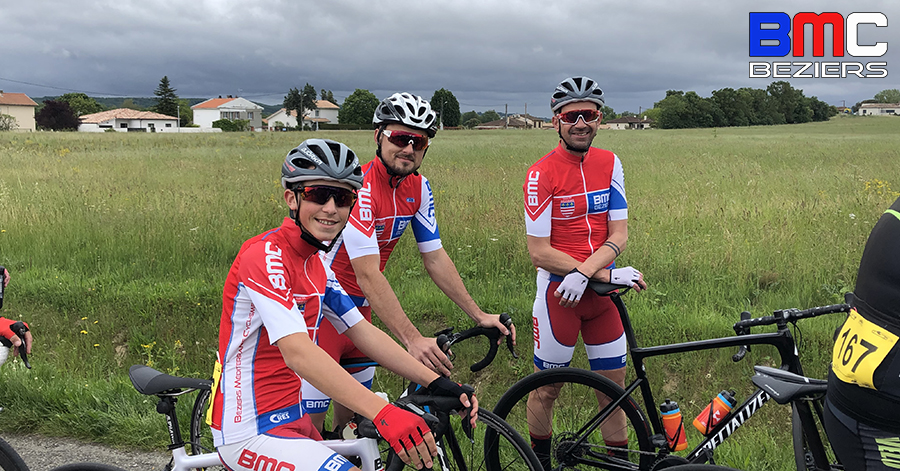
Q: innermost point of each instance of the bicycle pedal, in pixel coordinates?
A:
(658, 441)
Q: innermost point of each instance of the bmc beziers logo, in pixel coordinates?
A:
(778, 35)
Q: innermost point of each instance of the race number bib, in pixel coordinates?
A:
(217, 375)
(860, 347)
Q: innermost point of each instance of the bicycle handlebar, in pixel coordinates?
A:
(446, 338)
(781, 319)
(417, 403)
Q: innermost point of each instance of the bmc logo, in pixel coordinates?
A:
(775, 28)
(365, 202)
(257, 462)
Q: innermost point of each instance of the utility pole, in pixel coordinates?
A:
(442, 112)
(506, 115)
(526, 115)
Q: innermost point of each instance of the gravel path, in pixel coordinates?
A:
(43, 453)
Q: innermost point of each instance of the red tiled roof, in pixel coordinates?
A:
(122, 113)
(212, 103)
(326, 105)
(16, 99)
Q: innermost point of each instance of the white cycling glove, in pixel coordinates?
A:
(627, 276)
(572, 286)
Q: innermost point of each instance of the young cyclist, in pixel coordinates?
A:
(393, 196)
(576, 224)
(266, 352)
(862, 413)
(6, 324)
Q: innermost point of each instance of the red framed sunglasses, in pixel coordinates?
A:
(321, 194)
(403, 139)
(571, 117)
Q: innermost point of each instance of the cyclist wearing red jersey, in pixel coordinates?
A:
(265, 348)
(393, 196)
(576, 224)
(6, 324)
(862, 413)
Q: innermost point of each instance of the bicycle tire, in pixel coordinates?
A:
(571, 417)
(511, 451)
(86, 467)
(700, 467)
(201, 440)
(10, 459)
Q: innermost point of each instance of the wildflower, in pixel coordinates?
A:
(84, 332)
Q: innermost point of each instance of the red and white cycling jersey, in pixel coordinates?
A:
(570, 199)
(378, 220)
(275, 278)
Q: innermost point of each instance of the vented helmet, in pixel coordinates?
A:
(406, 109)
(576, 89)
(321, 159)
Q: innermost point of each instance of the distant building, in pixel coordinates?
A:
(326, 112)
(630, 122)
(214, 109)
(879, 109)
(128, 120)
(516, 121)
(20, 107)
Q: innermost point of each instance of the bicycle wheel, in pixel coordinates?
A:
(201, 436)
(572, 447)
(9, 459)
(459, 452)
(700, 467)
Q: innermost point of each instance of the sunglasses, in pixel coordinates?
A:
(571, 117)
(321, 194)
(403, 139)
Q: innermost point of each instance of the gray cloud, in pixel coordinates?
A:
(490, 54)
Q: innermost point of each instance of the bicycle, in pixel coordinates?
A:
(9, 458)
(576, 439)
(201, 437)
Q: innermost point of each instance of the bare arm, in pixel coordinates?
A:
(560, 263)
(442, 270)
(386, 305)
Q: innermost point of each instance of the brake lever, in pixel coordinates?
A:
(742, 351)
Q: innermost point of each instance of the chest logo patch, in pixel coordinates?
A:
(567, 206)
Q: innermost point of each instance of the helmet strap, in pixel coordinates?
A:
(394, 179)
(306, 235)
(572, 149)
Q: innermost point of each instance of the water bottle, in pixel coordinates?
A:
(673, 423)
(718, 409)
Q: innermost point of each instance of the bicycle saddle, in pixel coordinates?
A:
(604, 289)
(152, 382)
(785, 386)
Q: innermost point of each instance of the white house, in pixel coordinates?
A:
(128, 120)
(20, 107)
(325, 112)
(879, 109)
(215, 109)
(630, 122)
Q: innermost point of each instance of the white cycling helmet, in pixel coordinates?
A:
(406, 109)
(575, 89)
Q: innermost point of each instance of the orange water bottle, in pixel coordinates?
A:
(673, 423)
(717, 410)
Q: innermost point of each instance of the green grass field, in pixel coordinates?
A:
(118, 245)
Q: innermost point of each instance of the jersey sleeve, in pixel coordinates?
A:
(342, 312)
(538, 203)
(424, 223)
(268, 286)
(359, 235)
(618, 206)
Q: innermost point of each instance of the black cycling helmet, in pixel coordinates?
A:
(406, 109)
(321, 159)
(575, 89)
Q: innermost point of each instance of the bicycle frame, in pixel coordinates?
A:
(782, 340)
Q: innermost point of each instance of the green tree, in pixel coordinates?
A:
(469, 115)
(7, 122)
(358, 108)
(471, 123)
(489, 115)
(445, 105)
(186, 114)
(56, 116)
(293, 102)
(166, 99)
(300, 102)
(328, 96)
(891, 95)
(81, 104)
(608, 113)
(789, 102)
(129, 103)
(232, 125)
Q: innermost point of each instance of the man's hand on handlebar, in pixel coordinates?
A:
(628, 276)
(407, 434)
(426, 350)
(448, 388)
(6, 330)
(497, 320)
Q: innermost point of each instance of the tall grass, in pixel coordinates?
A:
(118, 245)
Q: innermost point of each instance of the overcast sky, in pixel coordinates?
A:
(488, 53)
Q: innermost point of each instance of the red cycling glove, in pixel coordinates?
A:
(402, 429)
(5, 329)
